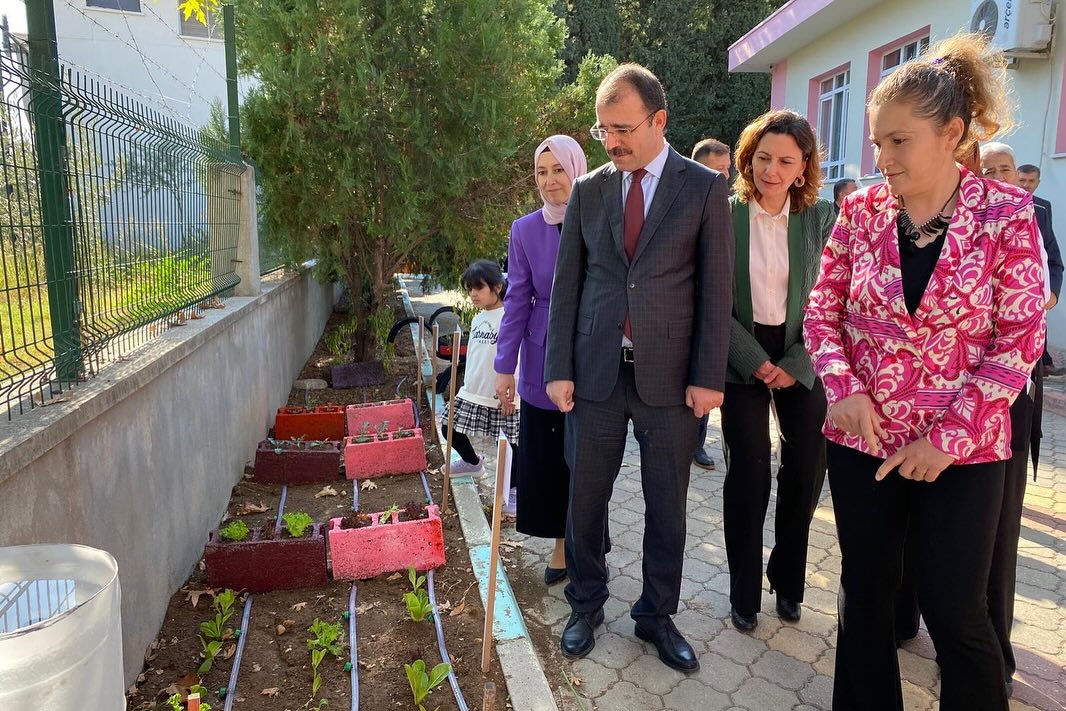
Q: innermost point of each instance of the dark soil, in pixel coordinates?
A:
(387, 638)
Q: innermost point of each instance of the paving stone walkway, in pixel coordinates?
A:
(790, 666)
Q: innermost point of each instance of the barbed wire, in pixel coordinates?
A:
(201, 55)
(146, 58)
(128, 89)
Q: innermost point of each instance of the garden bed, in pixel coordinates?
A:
(386, 636)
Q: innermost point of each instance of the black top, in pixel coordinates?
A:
(917, 265)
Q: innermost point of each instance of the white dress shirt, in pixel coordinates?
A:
(648, 183)
(768, 263)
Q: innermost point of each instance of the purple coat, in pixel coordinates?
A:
(531, 267)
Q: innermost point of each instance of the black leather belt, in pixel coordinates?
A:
(627, 354)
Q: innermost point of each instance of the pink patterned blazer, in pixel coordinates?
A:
(952, 370)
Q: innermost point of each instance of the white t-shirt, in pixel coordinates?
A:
(479, 384)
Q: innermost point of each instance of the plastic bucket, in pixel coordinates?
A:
(60, 629)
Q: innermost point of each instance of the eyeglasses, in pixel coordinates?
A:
(600, 133)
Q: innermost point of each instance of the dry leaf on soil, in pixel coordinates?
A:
(298, 606)
(250, 508)
(193, 594)
(228, 651)
(272, 691)
(458, 608)
(394, 576)
(326, 491)
(367, 485)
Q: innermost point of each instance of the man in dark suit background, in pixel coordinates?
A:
(1029, 178)
(638, 331)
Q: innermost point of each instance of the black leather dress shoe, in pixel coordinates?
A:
(744, 623)
(702, 459)
(674, 651)
(553, 575)
(578, 638)
(788, 609)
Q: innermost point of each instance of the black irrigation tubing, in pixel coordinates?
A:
(355, 649)
(231, 689)
(281, 506)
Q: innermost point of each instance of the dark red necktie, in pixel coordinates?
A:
(632, 223)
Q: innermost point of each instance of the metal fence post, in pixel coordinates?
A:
(45, 89)
(229, 27)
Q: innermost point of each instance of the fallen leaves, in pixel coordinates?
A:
(366, 607)
(228, 651)
(272, 692)
(193, 594)
(326, 491)
(458, 608)
(394, 576)
(251, 508)
(367, 485)
(298, 606)
(182, 686)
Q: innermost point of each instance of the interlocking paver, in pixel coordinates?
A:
(790, 666)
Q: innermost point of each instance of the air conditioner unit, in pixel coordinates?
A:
(1015, 26)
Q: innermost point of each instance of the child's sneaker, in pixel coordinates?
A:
(461, 467)
(510, 507)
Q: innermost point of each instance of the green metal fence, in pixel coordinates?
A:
(116, 223)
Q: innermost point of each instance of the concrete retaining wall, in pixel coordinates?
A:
(140, 461)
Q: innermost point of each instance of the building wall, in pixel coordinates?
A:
(141, 460)
(144, 52)
(1037, 85)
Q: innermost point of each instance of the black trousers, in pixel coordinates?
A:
(954, 519)
(596, 435)
(746, 494)
(1004, 569)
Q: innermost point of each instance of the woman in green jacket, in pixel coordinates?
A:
(781, 226)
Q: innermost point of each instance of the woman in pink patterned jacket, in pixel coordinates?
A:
(924, 325)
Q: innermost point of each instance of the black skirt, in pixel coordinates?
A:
(543, 476)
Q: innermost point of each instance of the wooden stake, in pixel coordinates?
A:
(419, 349)
(433, 387)
(488, 702)
(502, 463)
(194, 702)
(457, 342)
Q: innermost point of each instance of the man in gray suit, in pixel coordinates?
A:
(638, 331)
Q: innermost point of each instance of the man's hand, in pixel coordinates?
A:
(779, 379)
(702, 400)
(1051, 303)
(764, 370)
(855, 415)
(505, 393)
(561, 392)
(919, 460)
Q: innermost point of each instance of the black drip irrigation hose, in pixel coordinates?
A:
(355, 649)
(231, 689)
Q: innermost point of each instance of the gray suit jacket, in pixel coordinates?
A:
(678, 290)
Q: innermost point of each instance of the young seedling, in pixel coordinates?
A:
(326, 639)
(296, 523)
(422, 683)
(214, 632)
(365, 429)
(235, 530)
(383, 428)
(174, 700)
(386, 515)
(403, 434)
(417, 601)
(413, 511)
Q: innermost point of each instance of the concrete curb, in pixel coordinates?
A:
(526, 684)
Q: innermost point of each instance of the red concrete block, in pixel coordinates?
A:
(393, 455)
(359, 553)
(285, 462)
(323, 422)
(398, 413)
(256, 565)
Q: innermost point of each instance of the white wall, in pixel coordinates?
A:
(171, 73)
(1036, 84)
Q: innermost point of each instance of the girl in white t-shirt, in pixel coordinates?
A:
(477, 409)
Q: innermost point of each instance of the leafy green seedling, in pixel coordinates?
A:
(417, 601)
(422, 683)
(174, 700)
(235, 530)
(296, 523)
(386, 515)
(326, 639)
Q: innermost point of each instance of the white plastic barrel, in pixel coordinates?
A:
(60, 629)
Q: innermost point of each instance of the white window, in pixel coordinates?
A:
(895, 58)
(194, 28)
(123, 5)
(832, 122)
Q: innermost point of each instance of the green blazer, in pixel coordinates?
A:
(808, 231)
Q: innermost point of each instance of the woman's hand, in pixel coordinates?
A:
(855, 415)
(919, 460)
(779, 379)
(505, 393)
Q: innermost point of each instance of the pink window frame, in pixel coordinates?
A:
(873, 75)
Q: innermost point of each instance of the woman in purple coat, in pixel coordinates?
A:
(543, 477)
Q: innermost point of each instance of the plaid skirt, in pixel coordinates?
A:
(474, 419)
